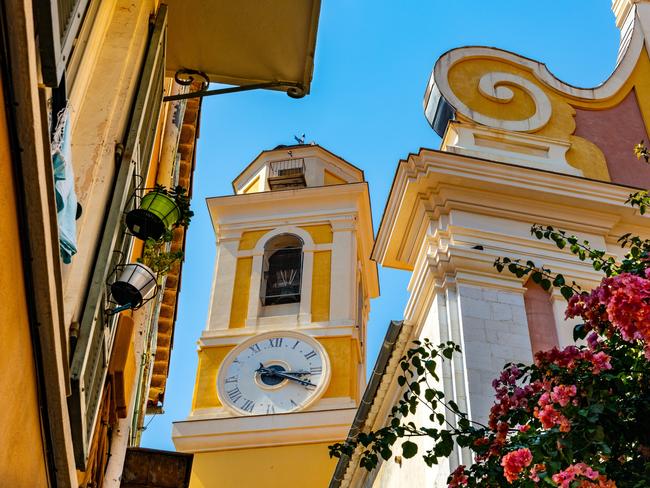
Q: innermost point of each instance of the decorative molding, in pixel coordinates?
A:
(494, 85)
(509, 147)
(450, 179)
(219, 434)
(226, 337)
(439, 90)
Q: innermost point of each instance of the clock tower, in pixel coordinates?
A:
(282, 358)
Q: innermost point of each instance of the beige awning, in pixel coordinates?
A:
(242, 42)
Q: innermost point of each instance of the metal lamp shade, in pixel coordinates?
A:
(157, 213)
(135, 284)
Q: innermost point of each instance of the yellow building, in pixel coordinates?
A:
(519, 147)
(87, 124)
(282, 357)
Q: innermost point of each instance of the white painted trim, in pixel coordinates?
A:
(285, 229)
(306, 285)
(215, 338)
(509, 147)
(262, 431)
(255, 289)
(316, 247)
(223, 285)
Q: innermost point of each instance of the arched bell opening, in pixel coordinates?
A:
(282, 273)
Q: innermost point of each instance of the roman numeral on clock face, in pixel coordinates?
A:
(255, 348)
(231, 379)
(316, 370)
(276, 341)
(248, 406)
(234, 394)
(310, 355)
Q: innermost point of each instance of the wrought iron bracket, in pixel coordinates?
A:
(186, 77)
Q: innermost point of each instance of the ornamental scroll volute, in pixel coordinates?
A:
(518, 117)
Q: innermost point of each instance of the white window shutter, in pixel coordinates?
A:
(58, 23)
(97, 329)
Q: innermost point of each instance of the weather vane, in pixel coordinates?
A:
(301, 139)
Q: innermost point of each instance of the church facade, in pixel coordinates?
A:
(519, 147)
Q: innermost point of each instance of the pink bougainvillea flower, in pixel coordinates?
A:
(622, 301)
(458, 477)
(515, 462)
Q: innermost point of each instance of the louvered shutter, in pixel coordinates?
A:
(58, 23)
(97, 329)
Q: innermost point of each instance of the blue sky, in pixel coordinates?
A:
(373, 60)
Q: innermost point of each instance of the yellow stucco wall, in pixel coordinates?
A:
(332, 179)
(205, 388)
(241, 291)
(22, 463)
(321, 234)
(344, 360)
(249, 239)
(254, 186)
(320, 287)
(303, 466)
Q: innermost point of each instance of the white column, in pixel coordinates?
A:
(254, 290)
(223, 284)
(564, 326)
(494, 331)
(343, 271)
(306, 283)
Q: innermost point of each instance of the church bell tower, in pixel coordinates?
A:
(282, 358)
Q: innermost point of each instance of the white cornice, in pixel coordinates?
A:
(225, 337)
(219, 434)
(444, 181)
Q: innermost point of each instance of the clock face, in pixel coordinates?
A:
(276, 372)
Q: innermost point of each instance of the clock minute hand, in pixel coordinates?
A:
(294, 378)
(273, 372)
(301, 373)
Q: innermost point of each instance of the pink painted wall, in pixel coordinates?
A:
(541, 321)
(616, 131)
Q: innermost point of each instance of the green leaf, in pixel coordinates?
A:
(567, 292)
(579, 332)
(409, 449)
(559, 280)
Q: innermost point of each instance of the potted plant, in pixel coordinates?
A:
(157, 258)
(136, 284)
(137, 281)
(160, 210)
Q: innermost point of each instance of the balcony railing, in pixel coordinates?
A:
(289, 173)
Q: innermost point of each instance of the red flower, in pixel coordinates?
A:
(458, 477)
(515, 462)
